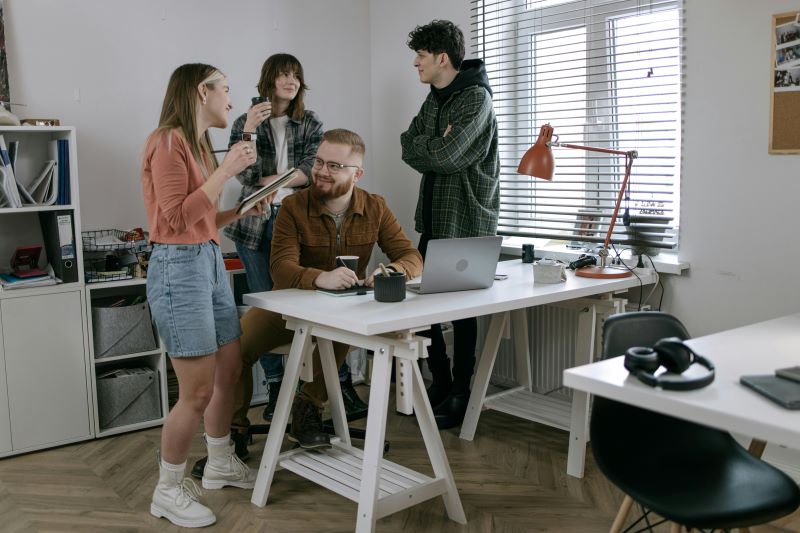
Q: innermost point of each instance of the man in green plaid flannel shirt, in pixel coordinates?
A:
(453, 143)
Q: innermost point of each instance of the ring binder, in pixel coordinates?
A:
(58, 231)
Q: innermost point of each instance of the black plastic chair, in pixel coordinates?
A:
(687, 473)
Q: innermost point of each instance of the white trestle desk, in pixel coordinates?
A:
(725, 404)
(381, 487)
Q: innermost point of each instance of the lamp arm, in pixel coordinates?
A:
(629, 157)
(628, 165)
(632, 154)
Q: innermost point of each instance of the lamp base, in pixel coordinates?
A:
(602, 272)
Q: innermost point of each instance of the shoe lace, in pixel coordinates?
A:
(238, 466)
(189, 491)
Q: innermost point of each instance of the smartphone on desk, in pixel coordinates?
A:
(792, 372)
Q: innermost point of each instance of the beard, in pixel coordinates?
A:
(335, 191)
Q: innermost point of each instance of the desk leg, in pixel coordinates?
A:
(482, 376)
(579, 416)
(373, 445)
(301, 348)
(433, 443)
(335, 402)
(522, 349)
(576, 456)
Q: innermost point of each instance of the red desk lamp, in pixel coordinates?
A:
(538, 162)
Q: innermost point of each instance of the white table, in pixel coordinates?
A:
(725, 404)
(379, 486)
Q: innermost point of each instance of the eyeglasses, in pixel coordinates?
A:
(332, 166)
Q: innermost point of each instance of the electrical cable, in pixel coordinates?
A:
(659, 283)
(641, 285)
(658, 279)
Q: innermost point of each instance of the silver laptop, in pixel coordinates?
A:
(459, 265)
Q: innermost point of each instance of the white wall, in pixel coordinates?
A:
(103, 67)
(739, 229)
(737, 200)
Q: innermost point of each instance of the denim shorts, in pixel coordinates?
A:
(190, 299)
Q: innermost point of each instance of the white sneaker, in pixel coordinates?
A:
(224, 468)
(177, 499)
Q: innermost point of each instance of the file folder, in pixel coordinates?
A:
(10, 193)
(58, 231)
(63, 172)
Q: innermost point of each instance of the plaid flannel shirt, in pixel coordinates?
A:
(464, 165)
(302, 140)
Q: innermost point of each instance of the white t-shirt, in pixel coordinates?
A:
(278, 127)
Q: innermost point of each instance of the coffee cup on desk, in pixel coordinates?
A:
(349, 261)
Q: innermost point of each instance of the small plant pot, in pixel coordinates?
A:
(390, 289)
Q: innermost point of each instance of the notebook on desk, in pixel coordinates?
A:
(458, 265)
(784, 392)
(355, 290)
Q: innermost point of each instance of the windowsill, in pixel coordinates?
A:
(666, 262)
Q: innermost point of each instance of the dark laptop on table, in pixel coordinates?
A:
(459, 265)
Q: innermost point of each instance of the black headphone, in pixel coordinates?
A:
(676, 357)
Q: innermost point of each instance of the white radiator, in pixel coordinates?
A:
(552, 335)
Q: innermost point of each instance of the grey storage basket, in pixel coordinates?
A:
(128, 396)
(122, 330)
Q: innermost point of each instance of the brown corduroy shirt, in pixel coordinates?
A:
(305, 240)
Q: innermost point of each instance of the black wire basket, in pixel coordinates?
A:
(112, 254)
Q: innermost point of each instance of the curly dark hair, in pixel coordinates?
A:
(439, 36)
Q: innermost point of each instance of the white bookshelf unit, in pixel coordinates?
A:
(43, 335)
(154, 360)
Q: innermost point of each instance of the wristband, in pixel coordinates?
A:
(248, 136)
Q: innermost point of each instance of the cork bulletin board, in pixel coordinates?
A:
(784, 123)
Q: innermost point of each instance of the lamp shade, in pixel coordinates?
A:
(538, 160)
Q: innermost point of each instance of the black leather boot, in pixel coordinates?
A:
(354, 406)
(272, 401)
(442, 380)
(306, 427)
(450, 413)
(438, 391)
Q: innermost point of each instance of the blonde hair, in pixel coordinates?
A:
(346, 137)
(179, 110)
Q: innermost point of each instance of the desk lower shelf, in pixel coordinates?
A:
(522, 403)
(339, 468)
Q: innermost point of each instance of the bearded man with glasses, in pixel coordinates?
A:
(332, 217)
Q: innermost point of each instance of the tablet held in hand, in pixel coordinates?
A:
(250, 201)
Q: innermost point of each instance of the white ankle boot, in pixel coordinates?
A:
(176, 499)
(225, 469)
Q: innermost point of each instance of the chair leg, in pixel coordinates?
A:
(674, 528)
(622, 515)
(757, 447)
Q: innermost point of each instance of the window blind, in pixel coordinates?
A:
(602, 73)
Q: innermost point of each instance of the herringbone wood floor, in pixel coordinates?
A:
(511, 478)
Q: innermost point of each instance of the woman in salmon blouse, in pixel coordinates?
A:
(187, 288)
